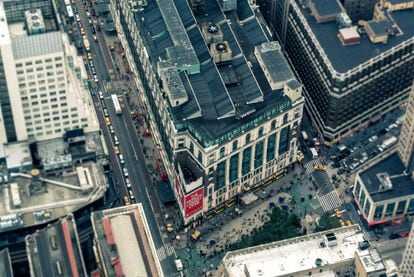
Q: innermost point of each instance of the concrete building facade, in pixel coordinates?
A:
(406, 143)
(347, 83)
(407, 263)
(222, 129)
(44, 90)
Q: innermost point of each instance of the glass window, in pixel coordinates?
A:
(235, 145)
(260, 132)
(390, 209)
(401, 206)
(378, 211)
(273, 125)
(222, 152)
(247, 138)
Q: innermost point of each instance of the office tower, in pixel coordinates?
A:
(406, 144)
(353, 72)
(407, 263)
(43, 89)
(224, 103)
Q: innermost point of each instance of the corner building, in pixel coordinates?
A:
(224, 103)
(354, 71)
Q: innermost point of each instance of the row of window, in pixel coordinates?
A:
(37, 62)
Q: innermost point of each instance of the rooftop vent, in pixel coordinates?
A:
(318, 262)
(330, 240)
(363, 245)
(197, 6)
(212, 33)
(212, 29)
(385, 181)
(221, 52)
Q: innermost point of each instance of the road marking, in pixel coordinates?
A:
(309, 166)
(161, 253)
(170, 249)
(330, 201)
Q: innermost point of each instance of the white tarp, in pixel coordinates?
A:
(249, 198)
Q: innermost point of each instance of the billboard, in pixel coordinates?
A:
(193, 202)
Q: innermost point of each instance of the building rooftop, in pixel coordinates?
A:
(37, 45)
(219, 96)
(326, 7)
(124, 242)
(344, 58)
(371, 260)
(301, 254)
(33, 197)
(401, 184)
(5, 263)
(55, 250)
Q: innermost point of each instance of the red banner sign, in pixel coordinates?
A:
(193, 202)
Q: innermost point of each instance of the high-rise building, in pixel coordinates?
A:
(407, 263)
(353, 71)
(406, 144)
(224, 102)
(43, 88)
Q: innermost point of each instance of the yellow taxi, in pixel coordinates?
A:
(169, 227)
(116, 149)
(126, 201)
(196, 234)
(107, 121)
(90, 56)
(320, 167)
(82, 31)
(342, 222)
(348, 223)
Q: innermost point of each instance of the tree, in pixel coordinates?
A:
(326, 222)
(281, 225)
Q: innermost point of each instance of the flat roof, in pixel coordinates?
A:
(326, 7)
(37, 45)
(294, 255)
(344, 58)
(125, 242)
(214, 106)
(5, 263)
(402, 185)
(55, 249)
(59, 194)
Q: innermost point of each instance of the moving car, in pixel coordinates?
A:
(116, 150)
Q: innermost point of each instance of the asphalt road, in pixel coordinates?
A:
(129, 143)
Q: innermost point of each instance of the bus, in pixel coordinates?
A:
(117, 106)
(304, 135)
(314, 153)
(69, 11)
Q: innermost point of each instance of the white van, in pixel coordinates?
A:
(178, 264)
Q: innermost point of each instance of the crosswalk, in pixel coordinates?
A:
(330, 201)
(165, 251)
(309, 166)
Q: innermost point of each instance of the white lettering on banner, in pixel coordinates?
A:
(194, 201)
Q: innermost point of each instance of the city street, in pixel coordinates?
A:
(129, 144)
